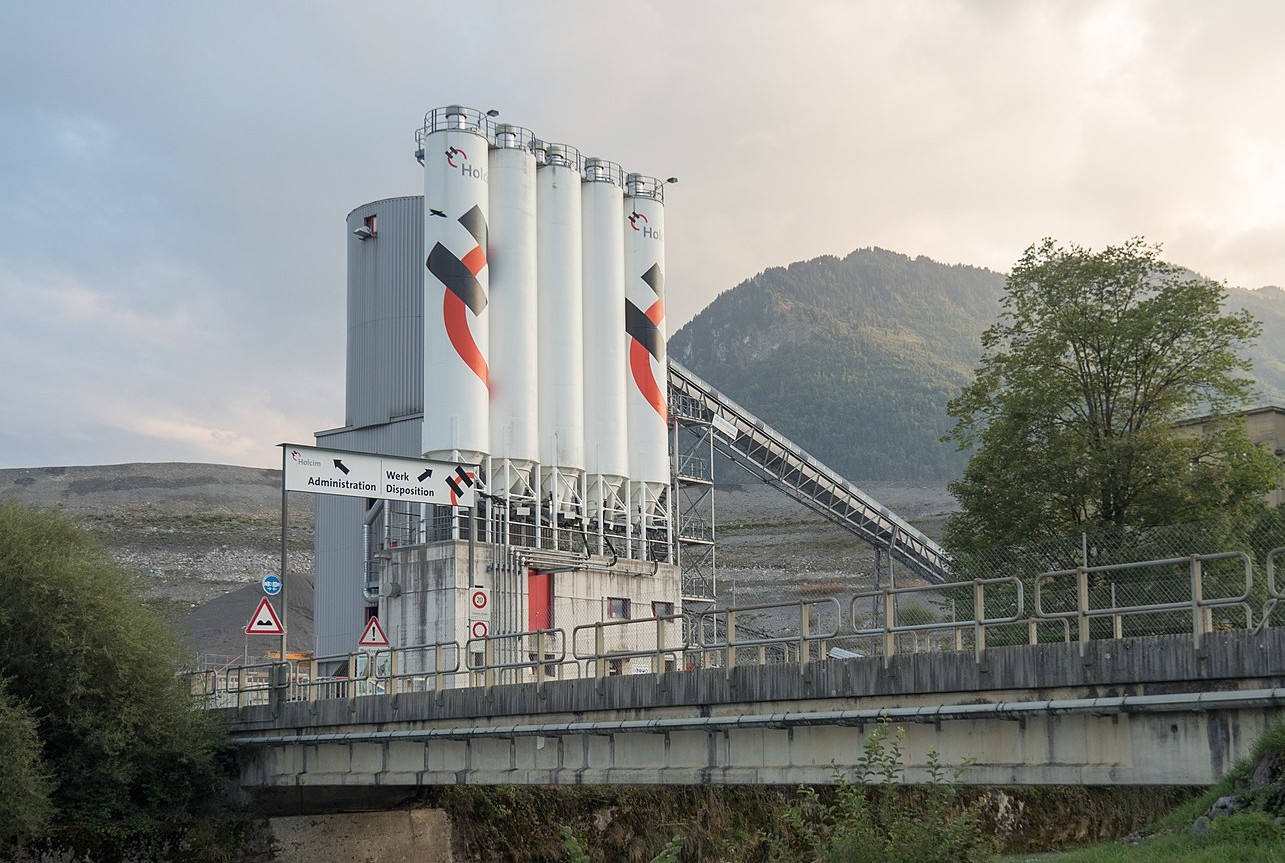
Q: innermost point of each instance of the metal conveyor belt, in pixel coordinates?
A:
(770, 456)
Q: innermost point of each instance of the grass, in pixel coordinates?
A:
(1247, 838)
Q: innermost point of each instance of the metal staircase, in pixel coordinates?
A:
(766, 453)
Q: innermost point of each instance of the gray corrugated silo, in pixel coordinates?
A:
(383, 406)
(385, 311)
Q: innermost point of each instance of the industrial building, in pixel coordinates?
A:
(510, 322)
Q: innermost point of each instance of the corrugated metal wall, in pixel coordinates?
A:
(337, 606)
(386, 314)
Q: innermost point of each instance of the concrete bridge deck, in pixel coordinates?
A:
(1152, 710)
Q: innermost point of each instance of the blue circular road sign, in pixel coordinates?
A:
(271, 584)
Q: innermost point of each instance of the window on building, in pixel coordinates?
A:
(662, 609)
(618, 608)
(371, 223)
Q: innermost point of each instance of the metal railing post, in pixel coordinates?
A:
(488, 661)
(889, 626)
(599, 651)
(979, 615)
(1082, 604)
(1198, 612)
(805, 628)
(729, 660)
(657, 665)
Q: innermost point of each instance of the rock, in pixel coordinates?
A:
(1268, 771)
(1200, 826)
(1223, 806)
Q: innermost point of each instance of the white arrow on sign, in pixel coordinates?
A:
(355, 474)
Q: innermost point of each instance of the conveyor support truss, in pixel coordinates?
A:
(769, 455)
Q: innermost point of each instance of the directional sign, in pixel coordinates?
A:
(265, 620)
(479, 604)
(373, 636)
(358, 474)
(271, 584)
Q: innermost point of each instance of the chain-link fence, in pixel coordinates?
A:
(1151, 576)
(1105, 582)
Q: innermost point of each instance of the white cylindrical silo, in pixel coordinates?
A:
(606, 422)
(560, 324)
(514, 344)
(456, 288)
(647, 382)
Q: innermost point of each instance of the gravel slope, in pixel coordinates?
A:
(199, 537)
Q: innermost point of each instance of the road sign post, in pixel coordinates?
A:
(285, 522)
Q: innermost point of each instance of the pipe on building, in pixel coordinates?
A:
(371, 514)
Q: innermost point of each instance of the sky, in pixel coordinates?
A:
(174, 177)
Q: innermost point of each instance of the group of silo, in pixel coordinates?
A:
(546, 363)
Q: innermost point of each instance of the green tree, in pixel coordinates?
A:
(1093, 359)
(132, 762)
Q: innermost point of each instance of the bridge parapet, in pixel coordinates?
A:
(1205, 593)
(1151, 710)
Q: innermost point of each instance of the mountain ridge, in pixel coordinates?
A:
(856, 358)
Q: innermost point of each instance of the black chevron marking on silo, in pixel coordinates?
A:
(640, 328)
(655, 279)
(475, 223)
(450, 271)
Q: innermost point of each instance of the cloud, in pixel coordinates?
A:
(173, 181)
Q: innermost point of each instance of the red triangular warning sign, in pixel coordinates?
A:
(265, 620)
(373, 636)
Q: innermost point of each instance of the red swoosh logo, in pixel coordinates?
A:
(640, 367)
(454, 314)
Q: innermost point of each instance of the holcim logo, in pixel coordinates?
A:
(646, 230)
(301, 459)
(465, 167)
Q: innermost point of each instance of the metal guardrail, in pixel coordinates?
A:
(408, 669)
(974, 598)
(718, 638)
(1200, 607)
(607, 662)
(801, 640)
(542, 651)
(1275, 596)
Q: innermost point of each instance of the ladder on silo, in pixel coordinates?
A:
(773, 458)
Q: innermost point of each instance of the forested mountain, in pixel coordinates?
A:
(1267, 305)
(855, 358)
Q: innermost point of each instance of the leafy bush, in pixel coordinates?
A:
(24, 806)
(878, 821)
(131, 762)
